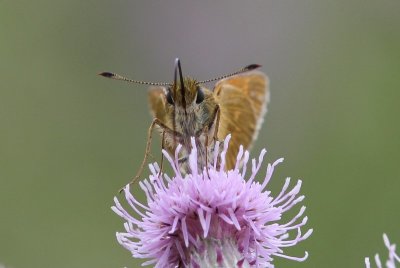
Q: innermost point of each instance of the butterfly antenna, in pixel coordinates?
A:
(173, 114)
(178, 70)
(120, 77)
(243, 70)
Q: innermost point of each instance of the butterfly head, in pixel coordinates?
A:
(184, 91)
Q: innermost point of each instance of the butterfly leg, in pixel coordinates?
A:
(216, 128)
(155, 122)
(217, 115)
(205, 129)
(162, 155)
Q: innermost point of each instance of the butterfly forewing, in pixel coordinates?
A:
(242, 100)
(157, 102)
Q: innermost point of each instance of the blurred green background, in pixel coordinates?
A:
(70, 139)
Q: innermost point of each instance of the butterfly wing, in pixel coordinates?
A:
(159, 109)
(243, 102)
(157, 102)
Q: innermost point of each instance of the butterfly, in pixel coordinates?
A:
(186, 108)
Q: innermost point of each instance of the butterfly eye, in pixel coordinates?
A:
(169, 97)
(200, 95)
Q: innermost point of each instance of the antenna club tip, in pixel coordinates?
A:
(107, 74)
(252, 67)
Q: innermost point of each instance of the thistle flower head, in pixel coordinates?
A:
(393, 257)
(211, 217)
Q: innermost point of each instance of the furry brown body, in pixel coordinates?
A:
(190, 120)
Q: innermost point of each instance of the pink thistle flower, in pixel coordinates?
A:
(211, 218)
(393, 257)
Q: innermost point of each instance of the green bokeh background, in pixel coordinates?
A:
(70, 139)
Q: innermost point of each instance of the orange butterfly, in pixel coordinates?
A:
(185, 109)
